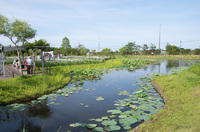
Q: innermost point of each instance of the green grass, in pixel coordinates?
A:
(182, 111)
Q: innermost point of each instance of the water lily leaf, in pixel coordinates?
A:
(99, 98)
(80, 124)
(91, 125)
(119, 108)
(2, 109)
(130, 119)
(127, 127)
(112, 116)
(98, 120)
(143, 117)
(98, 129)
(104, 118)
(122, 116)
(108, 122)
(114, 111)
(127, 112)
(113, 128)
(35, 102)
(72, 125)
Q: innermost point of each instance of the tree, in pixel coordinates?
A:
(41, 42)
(17, 31)
(197, 51)
(172, 49)
(130, 47)
(66, 47)
(82, 50)
(123, 51)
(106, 51)
(145, 47)
(152, 47)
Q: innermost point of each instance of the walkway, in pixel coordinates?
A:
(9, 70)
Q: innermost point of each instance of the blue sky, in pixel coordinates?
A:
(116, 22)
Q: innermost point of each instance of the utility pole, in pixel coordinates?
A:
(99, 44)
(180, 47)
(159, 36)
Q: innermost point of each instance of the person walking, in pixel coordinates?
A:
(14, 63)
(29, 64)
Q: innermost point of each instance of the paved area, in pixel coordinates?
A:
(10, 72)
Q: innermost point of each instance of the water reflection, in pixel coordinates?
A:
(41, 110)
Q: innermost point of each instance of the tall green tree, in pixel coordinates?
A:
(123, 51)
(66, 47)
(152, 47)
(130, 47)
(106, 51)
(145, 47)
(19, 32)
(82, 49)
(172, 49)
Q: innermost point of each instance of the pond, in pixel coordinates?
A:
(115, 102)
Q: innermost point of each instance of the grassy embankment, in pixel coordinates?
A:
(29, 87)
(182, 110)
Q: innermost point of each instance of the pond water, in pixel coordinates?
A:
(57, 112)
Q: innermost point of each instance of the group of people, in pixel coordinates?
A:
(28, 62)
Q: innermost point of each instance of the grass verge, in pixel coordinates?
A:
(181, 92)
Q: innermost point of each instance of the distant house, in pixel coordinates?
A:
(46, 54)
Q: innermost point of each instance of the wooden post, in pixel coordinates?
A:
(42, 62)
(13, 74)
(46, 70)
(33, 61)
(50, 70)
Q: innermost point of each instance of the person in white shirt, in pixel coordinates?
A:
(29, 64)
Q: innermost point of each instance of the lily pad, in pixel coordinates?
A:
(80, 124)
(99, 98)
(98, 129)
(108, 122)
(114, 111)
(122, 116)
(104, 118)
(113, 128)
(98, 120)
(127, 127)
(91, 125)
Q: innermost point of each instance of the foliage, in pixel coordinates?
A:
(123, 51)
(17, 31)
(197, 51)
(152, 47)
(145, 47)
(71, 61)
(65, 46)
(172, 49)
(106, 51)
(130, 47)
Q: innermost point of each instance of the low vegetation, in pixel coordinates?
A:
(182, 93)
